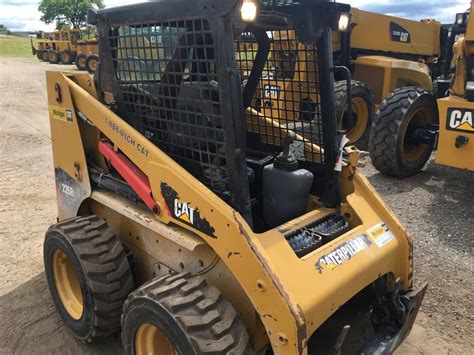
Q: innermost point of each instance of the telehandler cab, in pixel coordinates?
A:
(196, 223)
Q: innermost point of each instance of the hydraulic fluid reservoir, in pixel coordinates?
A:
(285, 187)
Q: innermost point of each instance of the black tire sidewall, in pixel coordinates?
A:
(69, 55)
(358, 89)
(81, 328)
(405, 166)
(78, 57)
(56, 58)
(142, 311)
(88, 60)
(47, 58)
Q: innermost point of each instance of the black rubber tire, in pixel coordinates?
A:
(38, 54)
(102, 268)
(193, 315)
(44, 55)
(389, 128)
(80, 61)
(89, 60)
(54, 56)
(67, 57)
(359, 90)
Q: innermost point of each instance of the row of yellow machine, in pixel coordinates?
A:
(67, 46)
(209, 197)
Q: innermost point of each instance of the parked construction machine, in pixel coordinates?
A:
(59, 48)
(197, 223)
(87, 56)
(412, 123)
(63, 49)
(382, 53)
(43, 43)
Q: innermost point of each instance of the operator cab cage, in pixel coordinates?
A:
(192, 77)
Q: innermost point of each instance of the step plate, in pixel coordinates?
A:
(317, 233)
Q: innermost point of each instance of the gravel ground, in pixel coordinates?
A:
(436, 206)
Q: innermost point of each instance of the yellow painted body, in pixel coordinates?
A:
(282, 298)
(452, 124)
(456, 113)
(384, 74)
(61, 40)
(87, 47)
(371, 32)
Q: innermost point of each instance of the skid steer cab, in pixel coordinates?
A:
(197, 223)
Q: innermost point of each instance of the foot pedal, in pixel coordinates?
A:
(312, 236)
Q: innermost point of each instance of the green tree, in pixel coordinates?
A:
(67, 12)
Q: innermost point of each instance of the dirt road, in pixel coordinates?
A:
(437, 206)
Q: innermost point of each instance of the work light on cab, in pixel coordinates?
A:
(344, 21)
(249, 10)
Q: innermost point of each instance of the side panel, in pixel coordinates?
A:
(70, 166)
(456, 122)
(379, 32)
(384, 74)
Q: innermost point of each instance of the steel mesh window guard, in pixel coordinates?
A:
(287, 95)
(169, 91)
(167, 76)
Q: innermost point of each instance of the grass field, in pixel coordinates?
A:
(13, 46)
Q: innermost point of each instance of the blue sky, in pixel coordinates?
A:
(23, 15)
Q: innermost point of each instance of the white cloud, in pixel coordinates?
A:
(23, 15)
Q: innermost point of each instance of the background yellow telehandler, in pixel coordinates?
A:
(382, 53)
(411, 122)
(183, 215)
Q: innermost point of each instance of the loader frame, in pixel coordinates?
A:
(268, 282)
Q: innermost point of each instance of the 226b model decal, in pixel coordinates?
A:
(460, 119)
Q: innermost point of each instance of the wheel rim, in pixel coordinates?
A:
(82, 62)
(93, 65)
(52, 56)
(44, 55)
(414, 151)
(360, 113)
(67, 284)
(66, 58)
(151, 340)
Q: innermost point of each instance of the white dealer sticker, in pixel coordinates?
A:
(380, 234)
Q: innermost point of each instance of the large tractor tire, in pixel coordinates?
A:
(88, 275)
(363, 111)
(81, 61)
(181, 314)
(53, 56)
(67, 57)
(45, 55)
(38, 54)
(393, 149)
(91, 63)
